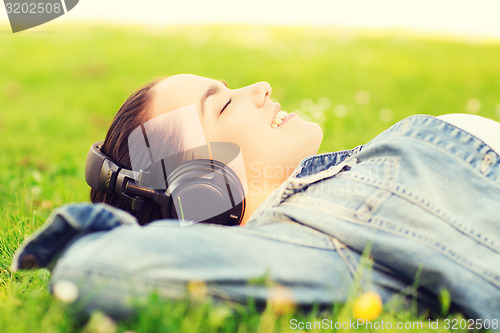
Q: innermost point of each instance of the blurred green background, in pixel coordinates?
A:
(60, 90)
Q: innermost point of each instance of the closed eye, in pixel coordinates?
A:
(225, 106)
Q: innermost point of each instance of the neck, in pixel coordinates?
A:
(257, 194)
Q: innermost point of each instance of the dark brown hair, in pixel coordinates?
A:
(132, 114)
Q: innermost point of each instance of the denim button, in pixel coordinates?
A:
(487, 161)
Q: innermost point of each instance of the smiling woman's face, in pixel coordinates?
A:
(242, 116)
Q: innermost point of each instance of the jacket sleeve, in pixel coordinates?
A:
(63, 225)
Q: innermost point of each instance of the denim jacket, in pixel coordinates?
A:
(421, 200)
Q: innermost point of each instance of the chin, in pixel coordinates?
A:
(307, 144)
(314, 137)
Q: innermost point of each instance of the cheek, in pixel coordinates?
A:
(256, 142)
(244, 132)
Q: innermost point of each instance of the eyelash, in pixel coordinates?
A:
(225, 106)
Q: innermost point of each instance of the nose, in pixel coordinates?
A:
(261, 91)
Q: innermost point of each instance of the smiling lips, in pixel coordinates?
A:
(278, 119)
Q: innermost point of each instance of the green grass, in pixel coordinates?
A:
(59, 91)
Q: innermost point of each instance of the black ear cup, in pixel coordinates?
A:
(205, 191)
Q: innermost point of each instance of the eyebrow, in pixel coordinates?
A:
(214, 89)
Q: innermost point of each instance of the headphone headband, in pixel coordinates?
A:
(97, 161)
(105, 175)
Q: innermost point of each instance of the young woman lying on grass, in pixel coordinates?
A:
(423, 197)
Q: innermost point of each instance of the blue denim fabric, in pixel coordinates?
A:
(423, 196)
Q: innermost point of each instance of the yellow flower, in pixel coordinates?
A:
(281, 300)
(197, 289)
(367, 306)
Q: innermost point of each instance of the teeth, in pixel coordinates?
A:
(278, 119)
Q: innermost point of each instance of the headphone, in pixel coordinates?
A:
(199, 190)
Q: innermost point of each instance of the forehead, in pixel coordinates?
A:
(178, 91)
